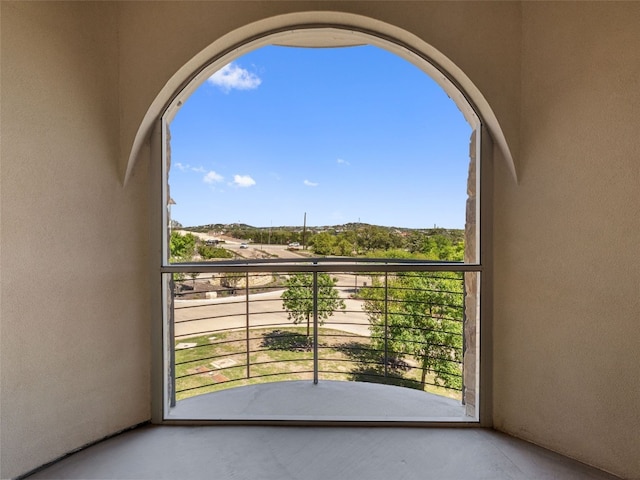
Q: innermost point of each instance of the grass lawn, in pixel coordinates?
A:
(219, 361)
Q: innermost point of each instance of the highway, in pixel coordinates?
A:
(256, 250)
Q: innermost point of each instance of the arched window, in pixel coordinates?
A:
(368, 159)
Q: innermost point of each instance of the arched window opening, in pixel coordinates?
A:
(321, 227)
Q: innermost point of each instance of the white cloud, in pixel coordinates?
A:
(342, 162)
(232, 76)
(185, 166)
(310, 184)
(243, 181)
(212, 177)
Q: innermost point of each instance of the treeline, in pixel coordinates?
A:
(355, 239)
(374, 241)
(273, 236)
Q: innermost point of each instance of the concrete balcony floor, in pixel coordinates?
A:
(316, 452)
(326, 401)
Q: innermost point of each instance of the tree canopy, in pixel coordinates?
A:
(182, 247)
(424, 314)
(297, 299)
(208, 252)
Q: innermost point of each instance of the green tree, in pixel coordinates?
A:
(178, 276)
(297, 299)
(323, 243)
(343, 247)
(437, 246)
(424, 320)
(182, 246)
(208, 252)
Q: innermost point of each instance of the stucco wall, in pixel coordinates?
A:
(74, 305)
(567, 239)
(78, 80)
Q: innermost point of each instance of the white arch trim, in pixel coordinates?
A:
(322, 29)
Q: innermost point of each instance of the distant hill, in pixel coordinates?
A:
(228, 227)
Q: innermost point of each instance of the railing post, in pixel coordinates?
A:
(386, 323)
(464, 335)
(315, 327)
(246, 291)
(172, 343)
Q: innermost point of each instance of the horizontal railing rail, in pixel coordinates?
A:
(321, 264)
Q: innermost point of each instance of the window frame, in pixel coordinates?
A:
(159, 199)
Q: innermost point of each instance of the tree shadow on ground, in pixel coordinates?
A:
(376, 374)
(370, 366)
(283, 340)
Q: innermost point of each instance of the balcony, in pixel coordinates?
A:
(322, 341)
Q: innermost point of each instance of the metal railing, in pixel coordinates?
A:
(233, 325)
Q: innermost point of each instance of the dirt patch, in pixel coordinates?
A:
(209, 374)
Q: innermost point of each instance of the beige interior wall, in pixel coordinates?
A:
(74, 305)
(77, 80)
(567, 239)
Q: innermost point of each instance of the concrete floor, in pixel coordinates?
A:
(323, 453)
(315, 452)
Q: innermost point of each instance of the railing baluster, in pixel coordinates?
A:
(247, 324)
(386, 323)
(315, 328)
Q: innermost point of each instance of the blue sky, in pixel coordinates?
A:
(343, 134)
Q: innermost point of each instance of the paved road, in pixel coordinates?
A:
(265, 309)
(255, 250)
